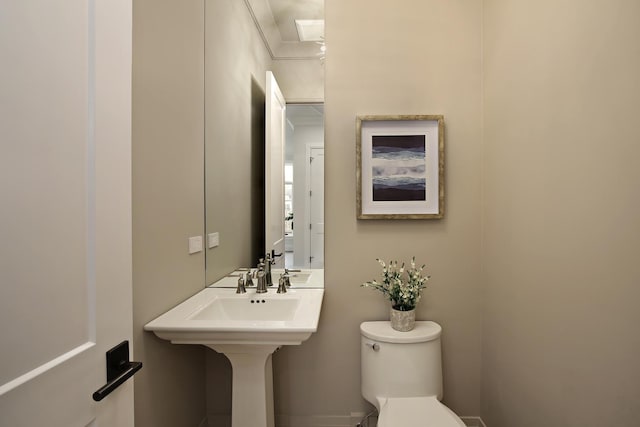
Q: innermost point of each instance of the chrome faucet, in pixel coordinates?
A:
(287, 278)
(262, 282)
(241, 289)
(267, 271)
(282, 285)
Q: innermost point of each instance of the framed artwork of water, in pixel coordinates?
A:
(400, 167)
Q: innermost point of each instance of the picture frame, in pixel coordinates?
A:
(400, 166)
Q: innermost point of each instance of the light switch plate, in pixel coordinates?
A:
(195, 244)
(214, 239)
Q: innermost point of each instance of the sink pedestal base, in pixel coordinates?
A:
(252, 387)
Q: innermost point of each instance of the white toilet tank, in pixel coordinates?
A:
(400, 364)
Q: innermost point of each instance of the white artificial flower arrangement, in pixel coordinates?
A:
(403, 292)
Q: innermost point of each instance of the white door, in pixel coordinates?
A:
(316, 208)
(65, 209)
(274, 170)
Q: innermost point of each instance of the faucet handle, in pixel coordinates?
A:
(282, 285)
(286, 277)
(241, 289)
(248, 281)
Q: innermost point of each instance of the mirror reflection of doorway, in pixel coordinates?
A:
(304, 186)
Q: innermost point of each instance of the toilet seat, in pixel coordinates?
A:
(426, 411)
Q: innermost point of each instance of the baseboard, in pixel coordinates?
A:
(216, 420)
(318, 421)
(346, 421)
(314, 421)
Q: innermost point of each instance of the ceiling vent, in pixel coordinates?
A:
(310, 30)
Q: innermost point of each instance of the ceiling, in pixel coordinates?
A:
(305, 114)
(275, 21)
(285, 12)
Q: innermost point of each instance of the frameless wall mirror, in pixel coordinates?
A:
(304, 186)
(243, 40)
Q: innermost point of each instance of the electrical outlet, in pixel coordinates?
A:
(195, 244)
(213, 240)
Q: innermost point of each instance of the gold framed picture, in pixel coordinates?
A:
(400, 167)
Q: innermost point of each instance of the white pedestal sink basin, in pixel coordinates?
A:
(247, 329)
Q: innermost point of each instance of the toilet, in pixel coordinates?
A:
(402, 375)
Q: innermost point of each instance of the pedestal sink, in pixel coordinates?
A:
(247, 329)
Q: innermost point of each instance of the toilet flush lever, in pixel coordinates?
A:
(374, 345)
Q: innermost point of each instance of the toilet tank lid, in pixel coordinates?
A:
(382, 331)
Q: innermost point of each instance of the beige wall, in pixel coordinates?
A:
(236, 65)
(421, 58)
(534, 263)
(168, 123)
(561, 218)
(322, 377)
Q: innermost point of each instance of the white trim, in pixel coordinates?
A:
(91, 175)
(307, 200)
(305, 100)
(345, 420)
(7, 387)
(314, 421)
(278, 49)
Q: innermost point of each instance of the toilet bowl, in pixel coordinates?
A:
(402, 375)
(417, 412)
